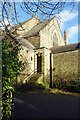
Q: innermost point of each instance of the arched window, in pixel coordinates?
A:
(54, 38)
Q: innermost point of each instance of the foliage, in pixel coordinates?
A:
(43, 86)
(33, 86)
(11, 67)
(71, 85)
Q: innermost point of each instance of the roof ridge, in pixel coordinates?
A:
(64, 45)
(48, 19)
(65, 48)
(41, 26)
(23, 22)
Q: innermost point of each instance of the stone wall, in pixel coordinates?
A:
(26, 56)
(47, 64)
(65, 65)
(47, 34)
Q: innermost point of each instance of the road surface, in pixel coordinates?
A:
(45, 105)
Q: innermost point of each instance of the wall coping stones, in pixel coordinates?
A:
(65, 48)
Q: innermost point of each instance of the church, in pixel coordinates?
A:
(45, 51)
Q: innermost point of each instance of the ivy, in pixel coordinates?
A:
(11, 67)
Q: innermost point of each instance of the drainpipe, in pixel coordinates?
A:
(51, 70)
(43, 65)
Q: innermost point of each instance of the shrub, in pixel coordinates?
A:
(43, 86)
(33, 86)
(71, 86)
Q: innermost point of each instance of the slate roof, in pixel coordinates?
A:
(34, 40)
(35, 30)
(65, 48)
(18, 25)
(25, 43)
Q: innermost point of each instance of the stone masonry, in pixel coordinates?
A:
(58, 60)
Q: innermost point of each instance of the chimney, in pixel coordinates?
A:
(65, 38)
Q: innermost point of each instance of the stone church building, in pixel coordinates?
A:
(45, 51)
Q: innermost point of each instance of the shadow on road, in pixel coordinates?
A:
(43, 105)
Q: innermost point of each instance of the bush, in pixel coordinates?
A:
(33, 86)
(71, 86)
(60, 84)
(27, 86)
(43, 85)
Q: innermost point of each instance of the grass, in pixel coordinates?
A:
(57, 91)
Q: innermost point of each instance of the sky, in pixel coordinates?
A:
(67, 19)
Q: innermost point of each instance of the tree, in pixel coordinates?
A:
(46, 8)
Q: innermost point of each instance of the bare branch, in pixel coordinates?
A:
(47, 9)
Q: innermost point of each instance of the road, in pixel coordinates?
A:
(45, 105)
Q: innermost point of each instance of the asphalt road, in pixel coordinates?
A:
(43, 105)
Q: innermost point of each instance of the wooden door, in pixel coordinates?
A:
(39, 63)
